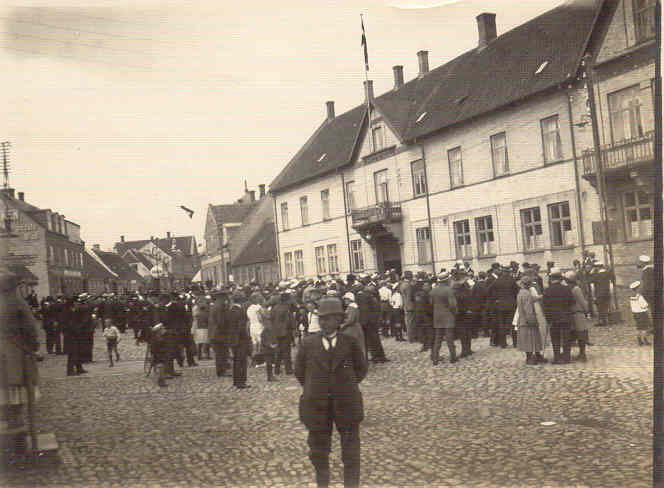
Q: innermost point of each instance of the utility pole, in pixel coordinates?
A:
(4, 148)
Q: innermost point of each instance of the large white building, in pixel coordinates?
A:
(486, 158)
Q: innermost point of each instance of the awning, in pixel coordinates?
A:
(197, 277)
(24, 274)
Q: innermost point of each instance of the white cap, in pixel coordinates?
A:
(635, 285)
(554, 270)
(349, 295)
(644, 259)
(597, 262)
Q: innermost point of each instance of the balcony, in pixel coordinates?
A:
(620, 157)
(375, 221)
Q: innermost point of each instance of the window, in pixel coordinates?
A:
(553, 146)
(456, 167)
(350, 195)
(332, 262)
(423, 239)
(644, 19)
(462, 239)
(419, 178)
(381, 185)
(356, 254)
(638, 214)
(66, 257)
(485, 236)
(499, 154)
(377, 138)
(625, 109)
(299, 263)
(561, 224)
(304, 210)
(320, 260)
(284, 216)
(259, 274)
(51, 255)
(288, 264)
(531, 221)
(325, 203)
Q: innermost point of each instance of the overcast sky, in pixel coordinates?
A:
(120, 111)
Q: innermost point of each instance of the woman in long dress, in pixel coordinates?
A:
(200, 314)
(256, 315)
(529, 339)
(542, 323)
(18, 366)
(351, 325)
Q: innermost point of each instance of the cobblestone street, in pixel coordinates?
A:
(473, 423)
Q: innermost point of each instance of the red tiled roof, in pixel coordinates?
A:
(182, 243)
(231, 214)
(262, 248)
(118, 265)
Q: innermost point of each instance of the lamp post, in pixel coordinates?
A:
(157, 271)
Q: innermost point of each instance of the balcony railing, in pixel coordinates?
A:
(384, 213)
(622, 154)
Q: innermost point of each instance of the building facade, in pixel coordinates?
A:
(45, 242)
(486, 158)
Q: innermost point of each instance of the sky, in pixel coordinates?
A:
(120, 111)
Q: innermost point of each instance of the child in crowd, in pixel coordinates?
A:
(112, 335)
(639, 308)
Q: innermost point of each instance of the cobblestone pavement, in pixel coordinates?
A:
(476, 423)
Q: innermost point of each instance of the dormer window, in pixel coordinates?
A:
(542, 67)
(644, 19)
(321, 158)
(419, 119)
(377, 138)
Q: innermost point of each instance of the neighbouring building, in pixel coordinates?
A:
(253, 247)
(221, 224)
(486, 158)
(43, 243)
(176, 257)
(127, 280)
(99, 278)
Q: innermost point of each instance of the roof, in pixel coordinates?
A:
(233, 213)
(134, 256)
(330, 148)
(118, 265)
(262, 248)
(475, 83)
(94, 270)
(183, 243)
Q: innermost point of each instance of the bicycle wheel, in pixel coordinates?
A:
(147, 364)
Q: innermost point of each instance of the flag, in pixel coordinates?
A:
(364, 44)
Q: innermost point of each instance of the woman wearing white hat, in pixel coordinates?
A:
(580, 313)
(351, 325)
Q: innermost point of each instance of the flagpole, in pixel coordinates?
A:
(366, 85)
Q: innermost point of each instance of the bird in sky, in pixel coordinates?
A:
(188, 210)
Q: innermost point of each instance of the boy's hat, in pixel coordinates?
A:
(635, 285)
(330, 306)
(643, 259)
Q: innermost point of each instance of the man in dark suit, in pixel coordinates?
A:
(218, 332)
(502, 294)
(238, 339)
(330, 367)
(557, 303)
(283, 324)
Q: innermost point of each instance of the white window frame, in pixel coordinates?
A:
(499, 154)
(350, 196)
(461, 229)
(299, 262)
(532, 239)
(625, 114)
(304, 210)
(454, 157)
(325, 203)
(284, 216)
(418, 172)
(559, 224)
(486, 236)
(357, 254)
(378, 138)
(319, 252)
(552, 145)
(332, 259)
(288, 264)
(423, 239)
(645, 230)
(382, 186)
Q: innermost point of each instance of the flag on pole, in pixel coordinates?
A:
(364, 44)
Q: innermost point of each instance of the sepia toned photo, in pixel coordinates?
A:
(385, 243)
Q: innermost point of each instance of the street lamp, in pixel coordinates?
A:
(157, 270)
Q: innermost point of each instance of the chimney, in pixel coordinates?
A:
(121, 238)
(423, 60)
(96, 247)
(330, 110)
(261, 187)
(168, 235)
(486, 28)
(398, 76)
(252, 196)
(21, 196)
(368, 90)
(8, 191)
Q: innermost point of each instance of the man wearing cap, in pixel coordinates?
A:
(491, 319)
(330, 366)
(283, 324)
(406, 289)
(558, 302)
(218, 332)
(444, 312)
(423, 311)
(601, 282)
(238, 339)
(502, 293)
